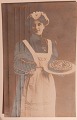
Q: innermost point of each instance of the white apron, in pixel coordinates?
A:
(39, 95)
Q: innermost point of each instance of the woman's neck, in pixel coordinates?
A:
(36, 37)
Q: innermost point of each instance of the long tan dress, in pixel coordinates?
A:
(39, 95)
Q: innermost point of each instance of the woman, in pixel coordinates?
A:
(35, 93)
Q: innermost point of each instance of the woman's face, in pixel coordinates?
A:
(37, 27)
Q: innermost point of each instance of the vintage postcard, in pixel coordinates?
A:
(39, 60)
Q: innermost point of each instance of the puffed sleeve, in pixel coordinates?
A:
(23, 60)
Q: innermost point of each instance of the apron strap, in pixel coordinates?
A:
(31, 51)
(34, 53)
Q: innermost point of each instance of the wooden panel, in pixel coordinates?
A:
(5, 60)
(17, 24)
(22, 23)
(11, 45)
(27, 12)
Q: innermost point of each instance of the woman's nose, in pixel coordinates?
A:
(37, 27)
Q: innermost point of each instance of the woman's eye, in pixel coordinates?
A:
(39, 24)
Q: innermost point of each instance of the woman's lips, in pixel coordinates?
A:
(36, 30)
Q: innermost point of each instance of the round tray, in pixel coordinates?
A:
(60, 67)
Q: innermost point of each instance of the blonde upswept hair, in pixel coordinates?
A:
(38, 15)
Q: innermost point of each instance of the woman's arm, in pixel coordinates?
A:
(23, 61)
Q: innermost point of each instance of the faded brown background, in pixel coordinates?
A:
(62, 29)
